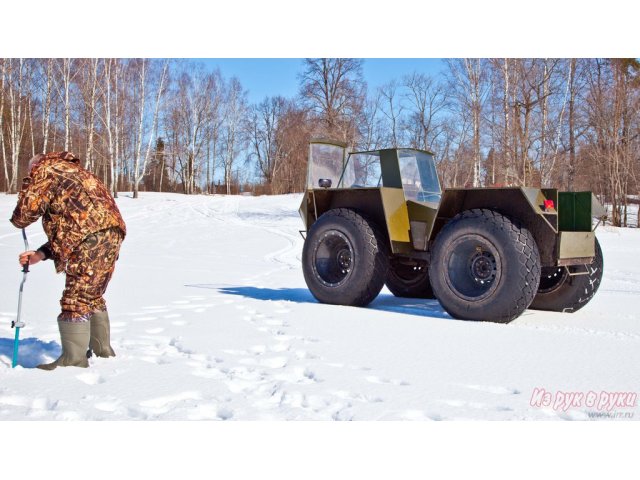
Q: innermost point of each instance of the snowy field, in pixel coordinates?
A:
(211, 320)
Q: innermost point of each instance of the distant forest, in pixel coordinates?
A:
(171, 125)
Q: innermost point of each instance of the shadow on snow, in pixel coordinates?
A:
(31, 352)
(384, 302)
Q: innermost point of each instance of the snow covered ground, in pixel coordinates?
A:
(211, 319)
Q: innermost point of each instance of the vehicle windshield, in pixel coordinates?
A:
(363, 170)
(419, 176)
(326, 163)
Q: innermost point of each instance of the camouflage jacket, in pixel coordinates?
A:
(72, 202)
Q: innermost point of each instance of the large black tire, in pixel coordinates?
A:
(484, 266)
(344, 258)
(409, 280)
(560, 292)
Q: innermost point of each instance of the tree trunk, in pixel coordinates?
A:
(140, 175)
(92, 107)
(46, 113)
(571, 170)
(2, 145)
(67, 65)
(136, 162)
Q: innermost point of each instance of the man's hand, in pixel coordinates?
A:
(31, 256)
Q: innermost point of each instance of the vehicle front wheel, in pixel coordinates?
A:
(344, 258)
(484, 266)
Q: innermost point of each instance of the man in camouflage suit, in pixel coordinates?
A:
(85, 231)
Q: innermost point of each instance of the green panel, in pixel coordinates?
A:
(390, 169)
(574, 211)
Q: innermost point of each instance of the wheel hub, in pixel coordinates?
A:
(552, 278)
(473, 267)
(333, 259)
(344, 259)
(483, 267)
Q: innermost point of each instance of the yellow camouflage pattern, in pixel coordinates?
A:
(72, 202)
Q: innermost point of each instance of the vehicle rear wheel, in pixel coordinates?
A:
(409, 279)
(484, 266)
(344, 258)
(561, 292)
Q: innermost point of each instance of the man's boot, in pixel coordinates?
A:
(74, 337)
(100, 342)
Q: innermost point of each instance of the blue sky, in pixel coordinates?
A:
(279, 76)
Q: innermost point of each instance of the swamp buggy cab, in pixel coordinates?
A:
(380, 217)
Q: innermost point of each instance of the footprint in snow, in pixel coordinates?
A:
(359, 397)
(275, 362)
(495, 390)
(258, 349)
(44, 404)
(108, 406)
(209, 372)
(224, 413)
(91, 378)
(420, 415)
(573, 415)
(280, 347)
(304, 355)
(300, 375)
(276, 323)
(387, 381)
(14, 401)
(210, 411)
(159, 405)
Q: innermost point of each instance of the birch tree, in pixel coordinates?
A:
(66, 68)
(90, 94)
(469, 83)
(2, 146)
(139, 174)
(110, 79)
(18, 89)
(46, 102)
(235, 109)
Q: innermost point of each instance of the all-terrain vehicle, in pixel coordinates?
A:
(380, 217)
